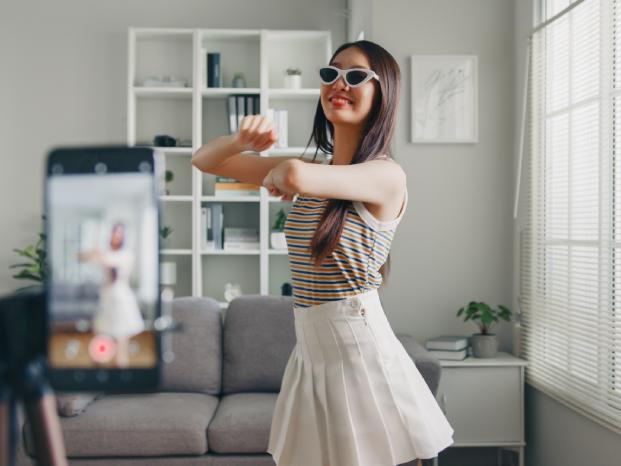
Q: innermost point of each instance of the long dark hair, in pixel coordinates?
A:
(375, 142)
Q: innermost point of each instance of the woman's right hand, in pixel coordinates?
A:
(256, 133)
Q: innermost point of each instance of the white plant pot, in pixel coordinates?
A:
(278, 240)
(293, 81)
(168, 273)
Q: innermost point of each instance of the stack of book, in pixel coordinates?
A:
(451, 347)
(236, 239)
(279, 118)
(212, 219)
(226, 186)
(240, 105)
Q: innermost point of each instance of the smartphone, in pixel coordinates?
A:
(102, 221)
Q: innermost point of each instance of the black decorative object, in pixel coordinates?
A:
(163, 140)
(213, 69)
(286, 289)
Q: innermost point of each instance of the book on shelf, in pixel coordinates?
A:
(207, 239)
(231, 187)
(241, 238)
(212, 219)
(240, 105)
(214, 75)
(280, 120)
(447, 342)
(243, 246)
(451, 355)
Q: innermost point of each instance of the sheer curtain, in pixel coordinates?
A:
(570, 261)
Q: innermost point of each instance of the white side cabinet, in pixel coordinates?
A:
(483, 399)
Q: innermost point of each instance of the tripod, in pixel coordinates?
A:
(23, 379)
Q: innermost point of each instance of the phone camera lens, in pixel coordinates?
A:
(101, 168)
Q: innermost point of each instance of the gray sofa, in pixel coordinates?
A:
(217, 397)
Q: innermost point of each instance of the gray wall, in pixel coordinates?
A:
(63, 81)
(454, 243)
(555, 434)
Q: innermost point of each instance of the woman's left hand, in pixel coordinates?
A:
(275, 181)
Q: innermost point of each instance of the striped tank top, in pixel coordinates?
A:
(353, 266)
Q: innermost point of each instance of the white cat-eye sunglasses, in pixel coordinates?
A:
(354, 77)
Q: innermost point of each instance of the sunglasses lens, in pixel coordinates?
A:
(356, 77)
(327, 74)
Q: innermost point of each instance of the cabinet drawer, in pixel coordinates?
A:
(483, 404)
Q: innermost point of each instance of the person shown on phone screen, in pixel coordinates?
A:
(118, 314)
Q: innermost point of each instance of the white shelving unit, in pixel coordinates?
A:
(197, 114)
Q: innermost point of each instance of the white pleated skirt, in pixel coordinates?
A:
(351, 395)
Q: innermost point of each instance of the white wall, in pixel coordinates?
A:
(555, 434)
(63, 81)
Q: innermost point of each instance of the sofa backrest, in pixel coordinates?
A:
(197, 366)
(258, 337)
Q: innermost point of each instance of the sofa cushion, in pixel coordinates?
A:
(258, 337)
(153, 424)
(72, 404)
(242, 423)
(197, 366)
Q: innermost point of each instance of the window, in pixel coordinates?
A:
(570, 269)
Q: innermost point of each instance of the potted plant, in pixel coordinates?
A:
(169, 177)
(34, 267)
(277, 235)
(165, 233)
(293, 78)
(484, 343)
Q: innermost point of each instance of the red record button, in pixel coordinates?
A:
(102, 348)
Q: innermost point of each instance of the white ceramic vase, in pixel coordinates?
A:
(293, 81)
(278, 240)
(168, 273)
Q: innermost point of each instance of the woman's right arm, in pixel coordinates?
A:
(222, 156)
(215, 152)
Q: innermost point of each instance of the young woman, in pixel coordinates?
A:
(118, 314)
(350, 393)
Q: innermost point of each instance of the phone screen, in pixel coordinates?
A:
(102, 245)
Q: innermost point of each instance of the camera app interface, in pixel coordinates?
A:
(103, 246)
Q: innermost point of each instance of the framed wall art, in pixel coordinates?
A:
(444, 107)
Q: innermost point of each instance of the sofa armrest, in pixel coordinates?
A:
(427, 364)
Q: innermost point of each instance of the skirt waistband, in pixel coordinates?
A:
(360, 304)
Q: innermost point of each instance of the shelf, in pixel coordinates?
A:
(309, 93)
(221, 92)
(177, 198)
(163, 92)
(196, 113)
(228, 252)
(176, 252)
(173, 150)
(230, 198)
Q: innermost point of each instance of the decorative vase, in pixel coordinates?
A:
(232, 291)
(239, 81)
(484, 346)
(293, 81)
(278, 240)
(168, 273)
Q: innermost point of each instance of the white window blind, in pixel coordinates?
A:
(570, 272)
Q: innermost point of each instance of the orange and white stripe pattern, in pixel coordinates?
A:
(353, 267)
